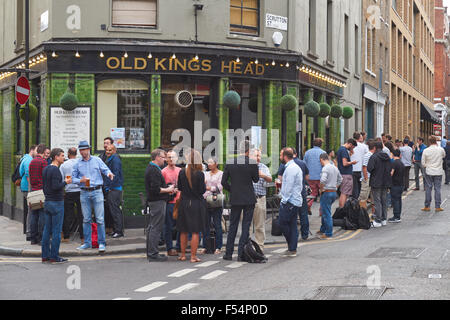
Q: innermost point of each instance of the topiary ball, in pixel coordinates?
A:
(68, 101)
(288, 102)
(347, 112)
(31, 116)
(253, 104)
(336, 111)
(325, 110)
(312, 109)
(231, 100)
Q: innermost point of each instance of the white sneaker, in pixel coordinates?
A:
(376, 224)
(384, 223)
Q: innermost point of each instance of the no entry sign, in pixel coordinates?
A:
(22, 90)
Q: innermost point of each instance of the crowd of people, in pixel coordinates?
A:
(187, 199)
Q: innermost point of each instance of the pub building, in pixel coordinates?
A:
(130, 92)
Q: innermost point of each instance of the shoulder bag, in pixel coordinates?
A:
(36, 200)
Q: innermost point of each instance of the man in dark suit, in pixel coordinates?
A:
(243, 172)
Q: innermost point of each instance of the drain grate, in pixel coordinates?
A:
(349, 293)
(402, 253)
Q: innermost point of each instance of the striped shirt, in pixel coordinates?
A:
(261, 185)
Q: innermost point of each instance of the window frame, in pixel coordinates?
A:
(139, 27)
(258, 28)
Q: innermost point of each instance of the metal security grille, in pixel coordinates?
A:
(184, 99)
(402, 253)
(348, 293)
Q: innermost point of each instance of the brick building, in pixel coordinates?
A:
(442, 62)
(412, 68)
(375, 43)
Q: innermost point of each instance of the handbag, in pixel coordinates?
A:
(36, 200)
(175, 209)
(215, 200)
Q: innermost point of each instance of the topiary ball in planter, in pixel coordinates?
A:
(312, 109)
(253, 104)
(325, 110)
(347, 112)
(336, 111)
(288, 102)
(32, 115)
(68, 101)
(231, 100)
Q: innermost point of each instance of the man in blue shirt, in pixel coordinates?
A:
(25, 184)
(87, 173)
(417, 160)
(312, 160)
(291, 201)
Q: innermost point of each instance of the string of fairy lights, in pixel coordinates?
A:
(37, 59)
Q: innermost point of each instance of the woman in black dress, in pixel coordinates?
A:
(192, 208)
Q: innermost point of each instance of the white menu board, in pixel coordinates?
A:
(68, 128)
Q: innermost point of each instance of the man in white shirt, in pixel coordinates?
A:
(432, 162)
(358, 155)
(407, 154)
(365, 187)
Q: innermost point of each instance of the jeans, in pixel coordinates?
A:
(54, 215)
(234, 224)
(304, 219)
(215, 214)
(396, 193)
(430, 183)
(288, 224)
(418, 168)
(72, 201)
(170, 223)
(356, 184)
(37, 224)
(155, 226)
(113, 201)
(326, 200)
(379, 196)
(93, 201)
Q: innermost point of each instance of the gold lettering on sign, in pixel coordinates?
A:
(248, 69)
(140, 67)
(237, 67)
(179, 64)
(206, 65)
(160, 63)
(115, 60)
(193, 65)
(260, 69)
(229, 67)
(124, 67)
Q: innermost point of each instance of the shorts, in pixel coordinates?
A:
(347, 184)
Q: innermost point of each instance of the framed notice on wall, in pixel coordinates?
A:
(68, 128)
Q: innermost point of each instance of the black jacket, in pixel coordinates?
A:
(380, 167)
(242, 175)
(154, 181)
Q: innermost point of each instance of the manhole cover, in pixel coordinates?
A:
(403, 253)
(348, 293)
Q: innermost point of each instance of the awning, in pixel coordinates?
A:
(428, 114)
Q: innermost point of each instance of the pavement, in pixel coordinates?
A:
(13, 241)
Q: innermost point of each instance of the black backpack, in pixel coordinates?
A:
(253, 253)
(16, 174)
(352, 216)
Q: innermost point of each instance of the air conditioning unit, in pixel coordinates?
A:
(184, 99)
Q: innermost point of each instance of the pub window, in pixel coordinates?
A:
(134, 13)
(244, 16)
(123, 114)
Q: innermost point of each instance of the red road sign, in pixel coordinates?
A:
(22, 90)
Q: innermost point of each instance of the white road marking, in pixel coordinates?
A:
(236, 265)
(279, 250)
(157, 298)
(151, 286)
(119, 299)
(181, 273)
(184, 288)
(213, 275)
(207, 264)
(268, 255)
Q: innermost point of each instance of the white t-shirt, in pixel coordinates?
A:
(358, 155)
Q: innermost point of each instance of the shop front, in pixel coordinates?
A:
(138, 96)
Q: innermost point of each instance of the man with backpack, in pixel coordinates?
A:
(23, 173)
